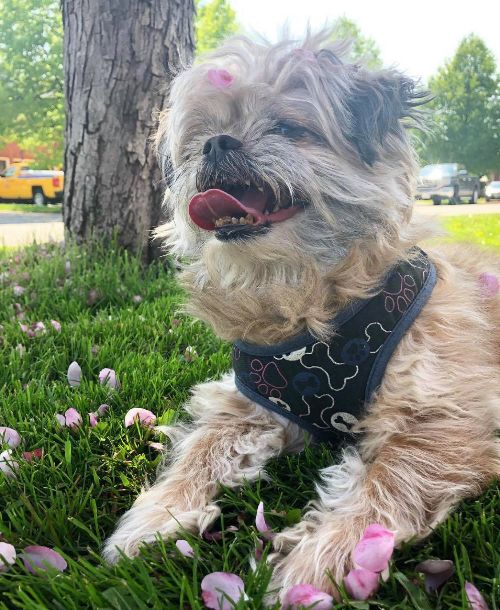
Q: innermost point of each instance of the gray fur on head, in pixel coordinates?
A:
(353, 164)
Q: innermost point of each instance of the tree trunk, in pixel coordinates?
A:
(119, 58)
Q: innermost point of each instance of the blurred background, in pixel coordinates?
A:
(450, 49)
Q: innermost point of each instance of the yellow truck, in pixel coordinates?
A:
(21, 183)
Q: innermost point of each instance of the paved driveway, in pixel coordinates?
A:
(463, 209)
(18, 228)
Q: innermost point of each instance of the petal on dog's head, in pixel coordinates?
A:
(220, 78)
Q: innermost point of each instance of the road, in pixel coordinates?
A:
(20, 228)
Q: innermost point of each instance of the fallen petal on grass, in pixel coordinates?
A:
(102, 409)
(74, 374)
(361, 583)
(185, 548)
(222, 590)
(10, 436)
(108, 377)
(72, 418)
(8, 464)
(143, 416)
(374, 549)
(306, 595)
(436, 572)
(7, 556)
(474, 597)
(56, 325)
(42, 556)
(36, 454)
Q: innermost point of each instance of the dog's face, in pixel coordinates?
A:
(285, 149)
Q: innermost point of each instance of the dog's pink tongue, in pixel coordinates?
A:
(207, 207)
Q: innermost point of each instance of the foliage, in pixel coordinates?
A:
(363, 49)
(215, 21)
(31, 77)
(72, 497)
(466, 110)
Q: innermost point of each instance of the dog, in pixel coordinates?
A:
(291, 187)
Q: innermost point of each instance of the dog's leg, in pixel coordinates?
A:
(405, 481)
(230, 440)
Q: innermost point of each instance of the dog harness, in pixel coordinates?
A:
(322, 386)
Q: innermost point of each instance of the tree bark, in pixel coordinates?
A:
(119, 59)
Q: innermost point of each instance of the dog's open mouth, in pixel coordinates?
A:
(239, 210)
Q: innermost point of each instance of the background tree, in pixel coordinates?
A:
(215, 20)
(363, 47)
(31, 77)
(466, 109)
(119, 56)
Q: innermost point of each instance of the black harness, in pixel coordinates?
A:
(324, 387)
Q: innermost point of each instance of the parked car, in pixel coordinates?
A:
(21, 183)
(449, 181)
(492, 190)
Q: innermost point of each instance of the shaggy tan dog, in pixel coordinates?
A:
(317, 148)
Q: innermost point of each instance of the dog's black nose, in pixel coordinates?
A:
(215, 148)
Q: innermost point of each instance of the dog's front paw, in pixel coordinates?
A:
(145, 523)
(312, 553)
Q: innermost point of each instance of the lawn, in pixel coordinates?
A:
(114, 315)
(51, 208)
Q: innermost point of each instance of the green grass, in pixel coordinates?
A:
(72, 497)
(483, 229)
(51, 208)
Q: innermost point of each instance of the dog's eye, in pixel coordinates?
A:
(288, 130)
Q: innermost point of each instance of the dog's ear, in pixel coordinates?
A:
(377, 105)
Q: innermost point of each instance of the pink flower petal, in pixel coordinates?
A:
(18, 290)
(72, 418)
(61, 420)
(145, 417)
(361, 583)
(108, 377)
(137, 299)
(219, 589)
(260, 521)
(39, 556)
(24, 328)
(7, 556)
(306, 595)
(476, 600)
(9, 436)
(74, 374)
(56, 325)
(220, 78)
(489, 285)
(36, 454)
(185, 548)
(374, 549)
(92, 420)
(259, 549)
(102, 409)
(38, 327)
(7, 464)
(436, 572)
